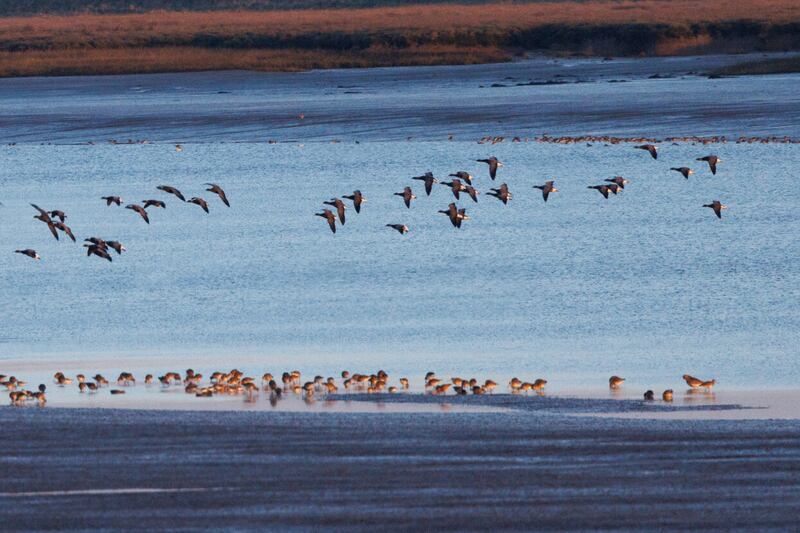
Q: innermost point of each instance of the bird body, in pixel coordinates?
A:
(407, 195)
(357, 199)
(493, 163)
(717, 206)
(340, 208)
(615, 381)
(112, 200)
(153, 203)
(547, 188)
(653, 149)
(456, 186)
(429, 181)
(692, 381)
(328, 215)
(501, 193)
(617, 180)
(171, 190)
(216, 189)
(712, 161)
(199, 201)
(30, 253)
(685, 171)
(602, 189)
(44, 216)
(402, 228)
(66, 229)
(463, 175)
(139, 209)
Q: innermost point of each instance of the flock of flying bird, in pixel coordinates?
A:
(462, 182)
(55, 220)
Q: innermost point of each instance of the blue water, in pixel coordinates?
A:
(646, 284)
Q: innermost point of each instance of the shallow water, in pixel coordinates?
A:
(648, 284)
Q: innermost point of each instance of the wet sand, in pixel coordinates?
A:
(114, 469)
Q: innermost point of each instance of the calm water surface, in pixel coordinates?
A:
(647, 284)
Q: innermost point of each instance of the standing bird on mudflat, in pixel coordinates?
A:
(402, 228)
(112, 200)
(340, 208)
(357, 198)
(493, 163)
(45, 217)
(407, 195)
(717, 206)
(154, 203)
(30, 253)
(685, 171)
(429, 181)
(199, 201)
(456, 186)
(216, 189)
(501, 193)
(546, 189)
(139, 209)
(328, 215)
(653, 149)
(66, 229)
(462, 175)
(712, 161)
(602, 189)
(171, 190)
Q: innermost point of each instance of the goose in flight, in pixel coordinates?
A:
(602, 189)
(328, 215)
(546, 189)
(154, 203)
(171, 190)
(462, 175)
(199, 201)
(429, 181)
(93, 249)
(501, 194)
(44, 216)
(712, 161)
(402, 228)
(59, 215)
(617, 180)
(407, 195)
(653, 149)
(139, 209)
(717, 206)
(112, 200)
(357, 198)
(340, 208)
(456, 186)
(686, 171)
(493, 163)
(66, 229)
(30, 253)
(216, 189)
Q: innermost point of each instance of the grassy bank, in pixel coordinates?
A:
(404, 35)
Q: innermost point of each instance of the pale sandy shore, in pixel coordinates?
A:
(521, 470)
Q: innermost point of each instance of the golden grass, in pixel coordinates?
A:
(188, 59)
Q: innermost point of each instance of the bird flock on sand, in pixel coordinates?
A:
(235, 382)
(462, 182)
(100, 247)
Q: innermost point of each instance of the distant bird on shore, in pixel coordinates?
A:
(198, 201)
(547, 188)
(653, 149)
(429, 181)
(708, 385)
(112, 200)
(153, 203)
(686, 171)
(66, 229)
(30, 253)
(402, 228)
(44, 216)
(618, 181)
(216, 189)
(340, 208)
(712, 161)
(649, 396)
(717, 207)
(93, 249)
(357, 198)
(493, 163)
(462, 175)
(501, 193)
(602, 189)
(171, 190)
(614, 382)
(407, 195)
(667, 395)
(139, 209)
(456, 186)
(328, 215)
(692, 381)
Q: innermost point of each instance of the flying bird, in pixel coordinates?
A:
(328, 215)
(686, 171)
(407, 196)
(216, 189)
(154, 203)
(456, 186)
(501, 194)
(462, 175)
(199, 201)
(456, 216)
(112, 200)
(45, 217)
(59, 215)
(171, 190)
(493, 163)
(429, 181)
(66, 229)
(650, 148)
(402, 228)
(30, 253)
(717, 207)
(617, 180)
(93, 249)
(613, 187)
(116, 246)
(357, 199)
(340, 208)
(139, 209)
(602, 189)
(712, 161)
(469, 189)
(546, 189)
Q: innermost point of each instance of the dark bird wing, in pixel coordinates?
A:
(428, 185)
(340, 210)
(493, 168)
(41, 211)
